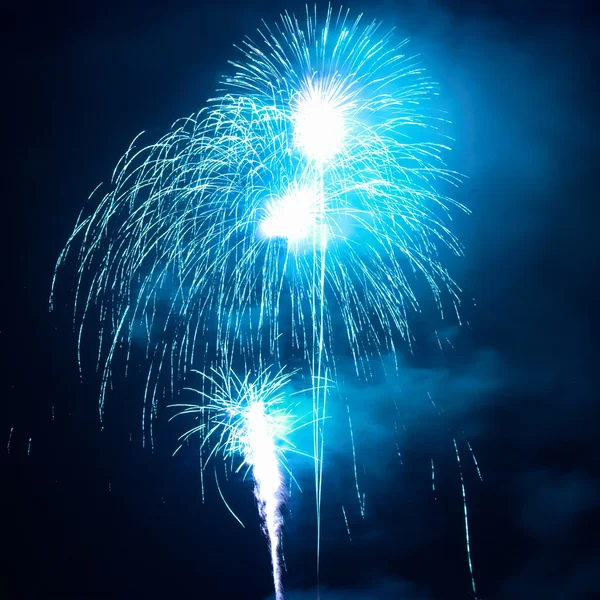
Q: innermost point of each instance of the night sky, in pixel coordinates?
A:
(89, 513)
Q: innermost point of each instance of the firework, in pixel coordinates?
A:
(250, 421)
(291, 217)
(303, 198)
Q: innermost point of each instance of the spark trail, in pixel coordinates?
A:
(250, 421)
(467, 537)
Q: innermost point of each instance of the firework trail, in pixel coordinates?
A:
(250, 419)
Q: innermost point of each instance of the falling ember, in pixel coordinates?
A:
(467, 537)
(360, 500)
(346, 521)
(475, 461)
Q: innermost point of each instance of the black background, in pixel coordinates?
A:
(90, 514)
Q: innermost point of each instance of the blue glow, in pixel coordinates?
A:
(321, 133)
(318, 123)
(293, 217)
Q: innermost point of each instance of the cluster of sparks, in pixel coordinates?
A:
(305, 195)
(250, 419)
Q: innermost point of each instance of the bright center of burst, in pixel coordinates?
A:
(292, 216)
(318, 125)
(261, 451)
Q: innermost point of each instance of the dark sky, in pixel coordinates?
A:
(90, 514)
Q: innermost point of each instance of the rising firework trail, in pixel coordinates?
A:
(250, 421)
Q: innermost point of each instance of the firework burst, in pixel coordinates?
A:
(307, 186)
(249, 421)
(291, 217)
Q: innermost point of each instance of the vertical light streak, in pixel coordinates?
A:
(201, 457)
(475, 461)
(462, 483)
(282, 553)
(319, 373)
(360, 501)
(346, 521)
(317, 385)
(397, 437)
(261, 453)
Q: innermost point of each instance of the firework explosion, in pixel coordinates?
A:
(250, 419)
(304, 195)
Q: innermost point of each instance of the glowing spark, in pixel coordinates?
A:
(475, 461)
(462, 483)
(282, 553)
(346, 521)
(360, 501)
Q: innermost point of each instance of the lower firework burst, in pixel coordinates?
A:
(249, 421)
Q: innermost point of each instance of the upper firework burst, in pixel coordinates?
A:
(323, 147)
(298, 209)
